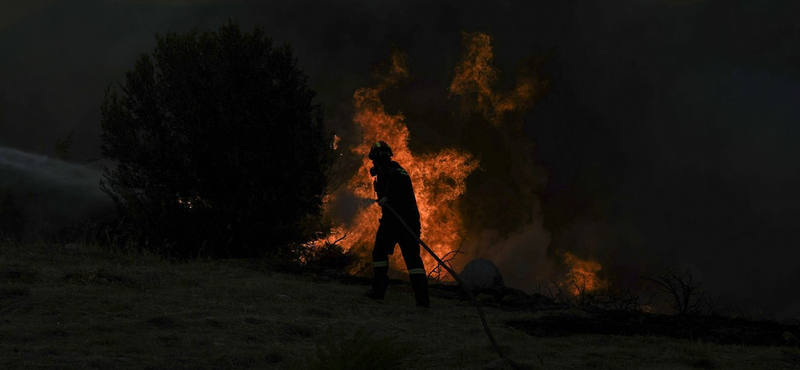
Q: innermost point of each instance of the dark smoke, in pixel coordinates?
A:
(667, 139)
(51, 195)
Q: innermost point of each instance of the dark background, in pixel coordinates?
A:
(667, 139)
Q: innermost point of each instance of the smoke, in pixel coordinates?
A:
(522, 256)
(50, 194)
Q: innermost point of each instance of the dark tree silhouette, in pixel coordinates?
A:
(686, 295)
(218, 146)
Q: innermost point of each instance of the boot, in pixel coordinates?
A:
(420, 284)
(372, 294)
(380, 281)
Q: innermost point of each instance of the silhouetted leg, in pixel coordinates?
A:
(416, 271)
(384, 245)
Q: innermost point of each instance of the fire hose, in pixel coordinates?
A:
(460, 282)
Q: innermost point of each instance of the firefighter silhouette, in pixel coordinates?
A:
(393, 186)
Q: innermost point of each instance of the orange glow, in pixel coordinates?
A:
(438, 178)
(475, 77)
(582, 276)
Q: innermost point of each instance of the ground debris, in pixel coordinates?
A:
(715, 329)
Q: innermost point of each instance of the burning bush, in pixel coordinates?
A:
(218, 145)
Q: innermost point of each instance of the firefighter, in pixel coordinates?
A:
(393, 186)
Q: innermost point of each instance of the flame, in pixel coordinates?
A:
(475, 77)
(438, 178)
(582, 276)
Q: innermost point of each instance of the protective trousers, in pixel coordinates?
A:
(388, 236)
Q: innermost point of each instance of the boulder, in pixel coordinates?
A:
(482, 276)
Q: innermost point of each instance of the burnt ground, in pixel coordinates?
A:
(88, 308)
(592, 320)
(715, 329)
(553, 322)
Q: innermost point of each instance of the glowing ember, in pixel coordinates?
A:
(582, 276)
(475, 76)
(438, 178)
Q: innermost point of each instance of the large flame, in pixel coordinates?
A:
(438, 178)
(474, 83)
(475, 76)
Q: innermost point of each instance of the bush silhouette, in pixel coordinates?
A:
(219, 149)
(12, 220)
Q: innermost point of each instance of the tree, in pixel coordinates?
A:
(218, 145)
(64, 146)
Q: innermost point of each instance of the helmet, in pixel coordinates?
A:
(380, 150)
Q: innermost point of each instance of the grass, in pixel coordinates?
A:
(359, 350)
(93, 309)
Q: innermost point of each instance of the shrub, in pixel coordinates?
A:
(12, 221)
(218, 145)
(328, 256)
(686, 295)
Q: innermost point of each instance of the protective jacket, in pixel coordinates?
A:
(394, 183)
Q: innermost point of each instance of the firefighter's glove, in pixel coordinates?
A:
(383, 201)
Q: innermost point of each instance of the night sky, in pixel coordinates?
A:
(668, 137)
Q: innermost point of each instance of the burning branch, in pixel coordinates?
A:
(335, 175)
(582, 298)
(336, 242)
(437, 272)
(582, 276)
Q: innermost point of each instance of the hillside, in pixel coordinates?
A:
(79, 307)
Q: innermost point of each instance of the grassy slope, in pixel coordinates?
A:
(85, 308)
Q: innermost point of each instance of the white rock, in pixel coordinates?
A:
(482, 274)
